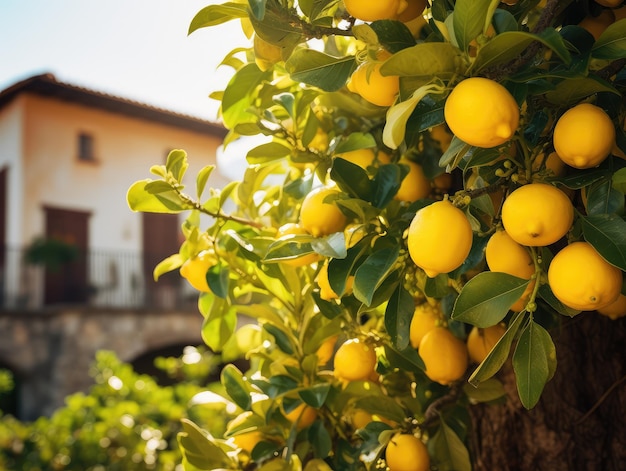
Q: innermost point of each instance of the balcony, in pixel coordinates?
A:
(98, 278)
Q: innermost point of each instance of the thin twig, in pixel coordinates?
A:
(601, 400)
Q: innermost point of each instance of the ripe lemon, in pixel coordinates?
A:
(319, 218)
(326, 292)
(304, 415)
(374, 87)
(414, 8)
(439, 238)
(425, 318)
(616, 309)
(441, 134)
(584, 136)
(406, 452)
(581, 279)
(372, 10)
(304, 260)
(445, 356)
(365, 158)
(415, 185)
(360, 418)
(537, 214)
(354, 361)
(195, 269)
(325, 351)
(553, 163)
(481, 341)
(481, 112)
(504, 255)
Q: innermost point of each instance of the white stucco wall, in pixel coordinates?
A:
(125, 150)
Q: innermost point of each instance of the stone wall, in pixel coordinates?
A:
(50, 352)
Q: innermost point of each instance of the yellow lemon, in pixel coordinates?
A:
(616, 309)
(581, 279)
(414, 8)
(552, 162)
(584, 136)
(406, 452)
(445, 356)
(325, 351)
(195, 269)
(415, 185)
(425, 318)
(481, 112)
(439, 238)
(354, 360)
(303, 415)
(537, 214)
(504, 255)
(294, 229)
(481, 341)
(372, 10)
(365, 158)
(320, 218)
(374, 87)
(246, 440)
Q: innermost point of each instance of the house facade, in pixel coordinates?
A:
(67, 158)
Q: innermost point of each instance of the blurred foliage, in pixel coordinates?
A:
(125, 422)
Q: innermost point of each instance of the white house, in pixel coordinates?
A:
(67, 157)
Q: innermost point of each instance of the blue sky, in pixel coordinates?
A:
(136, 49)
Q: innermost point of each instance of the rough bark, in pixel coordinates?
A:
(580, 421)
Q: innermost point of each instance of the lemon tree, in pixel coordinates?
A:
(466, 156)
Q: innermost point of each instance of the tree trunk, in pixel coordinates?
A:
(580, 421)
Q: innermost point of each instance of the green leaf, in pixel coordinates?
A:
(322, 444)
(217, 14)
(177, 164)
(508, 46)
(619, 180)
(384, 406)
(351, 178)
(571, 91)
(612, 42)
(220, 320)
(387, 182)
(152, 196)
(315, 395)
(487, 391)
(372, 272)
(282, 339)
(199, 450)
(548, 296)
(603, 198)
(393, 35)
(236, 387)
(607, 234)
(424, 60)
(320, 70)
(267, 153)
(486, 298)
(257, 8)
(499, 353)
(469, 20)
(202, 178)
(534, 360)
(398, 316)
(237, 99)
(167, 265)
(449, 450)
(407, 359)
(217, 279)
(354, 141)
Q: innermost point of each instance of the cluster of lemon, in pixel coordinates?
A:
(536, 214)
